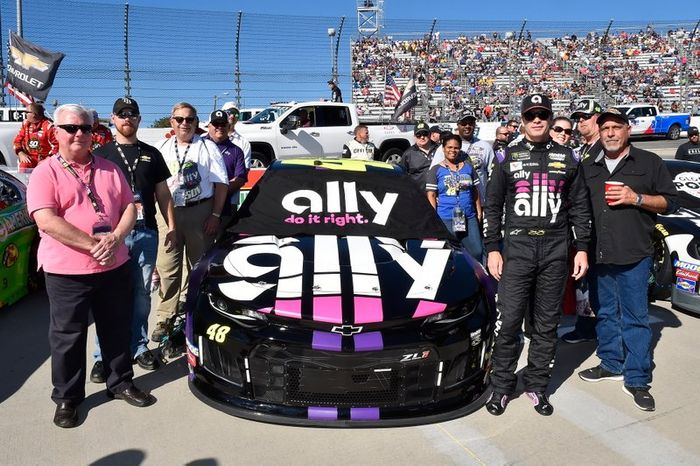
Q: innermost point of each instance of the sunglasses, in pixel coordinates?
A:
(422, 135)
(541, 114)
(559, 129)
(72, 129)
(125, 115)
(179, 119)
(219, 124)
(584, 116)
(232, 113)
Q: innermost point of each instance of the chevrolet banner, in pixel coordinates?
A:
(409, 99)
(30, 68)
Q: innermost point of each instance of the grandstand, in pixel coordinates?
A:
(489, 73)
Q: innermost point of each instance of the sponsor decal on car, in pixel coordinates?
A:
(661, 229)
(685, 285)
(686, 265)
(681, 273)
(688, 182)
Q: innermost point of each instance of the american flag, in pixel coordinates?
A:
(391, 92)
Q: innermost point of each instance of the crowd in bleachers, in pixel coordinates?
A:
(490, 73)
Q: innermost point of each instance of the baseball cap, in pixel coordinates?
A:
(230, 108)
(421, 128)
(435, 129)
(125, 103)
(534, 101)
(612, 114)
(586, 107)
(693, 131)
(467, 115)
(218, 116)
(330, 81)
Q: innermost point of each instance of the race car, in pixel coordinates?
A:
(18, 240)
(339, 298)
(677, 236)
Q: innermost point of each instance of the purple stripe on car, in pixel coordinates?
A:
(326, 341)
(371, 341)
(323, 414)
(364, 414)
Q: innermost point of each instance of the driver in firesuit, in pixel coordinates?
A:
(540, 188)
(35, 140)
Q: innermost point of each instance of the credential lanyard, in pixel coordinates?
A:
(88, 189)
(177, 155)
(129, 168)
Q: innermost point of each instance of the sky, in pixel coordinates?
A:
(453, 9)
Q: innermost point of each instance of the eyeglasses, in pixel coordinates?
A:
(219, 124)
(232, 113)
(584, 116)
(559, 129)
(422, 135)
(72, 129)
(541, 114)
(179, 119)
(125, 115)
(512, 125)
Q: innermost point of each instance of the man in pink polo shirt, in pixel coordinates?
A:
(84, 208)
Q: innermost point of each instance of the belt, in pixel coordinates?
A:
(536, 232)
(194, 203)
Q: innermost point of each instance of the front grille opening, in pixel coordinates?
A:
(221, 363)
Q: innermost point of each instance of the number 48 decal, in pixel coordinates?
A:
(218, 332)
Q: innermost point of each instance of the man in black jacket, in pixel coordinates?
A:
(628, 187)
(416, 159)
(539, 187)
(691, 149)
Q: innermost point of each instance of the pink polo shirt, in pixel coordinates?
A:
(52, 186)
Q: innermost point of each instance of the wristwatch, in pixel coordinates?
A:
(639, 200)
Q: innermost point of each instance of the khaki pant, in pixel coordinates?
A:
(174, 267)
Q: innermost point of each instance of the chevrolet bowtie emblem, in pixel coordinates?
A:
(27, 60)
(346, 330)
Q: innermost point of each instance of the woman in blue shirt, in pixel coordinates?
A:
(452, 190)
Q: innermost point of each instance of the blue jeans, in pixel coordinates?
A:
(471, 242)
(143, 246)
(619, 294)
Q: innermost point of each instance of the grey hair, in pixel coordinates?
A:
(75, 109)
(180, 105)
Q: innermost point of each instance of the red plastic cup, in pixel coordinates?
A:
(610, 184)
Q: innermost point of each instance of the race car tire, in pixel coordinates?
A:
(662, 269)
(674, 132)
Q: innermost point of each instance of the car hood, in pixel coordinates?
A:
(343, 279)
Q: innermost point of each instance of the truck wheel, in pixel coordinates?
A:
(259, 160)
(674, 132)
(392, 156)
(662, 269)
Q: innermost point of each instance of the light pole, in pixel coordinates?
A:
(331, 35)
(216, 100)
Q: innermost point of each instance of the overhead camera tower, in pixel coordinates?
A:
(370, 17)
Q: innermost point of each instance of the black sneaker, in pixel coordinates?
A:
(97, 374)
(596, 374)
(541, 403)
(496, 404)
(147, 361)
(159, 332)
(642, 398)
(575, 337)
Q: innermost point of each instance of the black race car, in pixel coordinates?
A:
(339, 299)
(677, 237)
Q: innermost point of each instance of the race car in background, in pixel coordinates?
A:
(339, 299)
(677, 242)
(18, 241)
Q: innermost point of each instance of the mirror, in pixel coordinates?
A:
(291, 122)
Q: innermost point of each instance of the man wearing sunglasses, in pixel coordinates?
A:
(691, 149)
(198, 186)
(233, 160)
(416, 159)
(539, 187)
(146, 172)
(233, 114)
(84, 209)
(586, 118)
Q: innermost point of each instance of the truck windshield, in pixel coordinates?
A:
(268, 115)
(623, 110)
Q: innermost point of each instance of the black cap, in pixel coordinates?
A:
(435, 129)
(125, 103)
(693, 131)
(534, 101)
(420, 128)
(330, 81)
(586, 107)
(467, 115)
(218, 116)
(612, 114)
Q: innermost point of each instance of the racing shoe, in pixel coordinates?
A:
(574, 336)
(541, 403)
(642, 398)
(497, 402)
(598, 373)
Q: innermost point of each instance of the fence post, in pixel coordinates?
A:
(238, 59)
(127, 70)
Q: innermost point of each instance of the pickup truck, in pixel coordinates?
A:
(646, 120)
(316, 129)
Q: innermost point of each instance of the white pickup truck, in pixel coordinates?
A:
(646, 120)
(316, 129)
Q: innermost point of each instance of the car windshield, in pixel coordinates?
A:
(336, 198)
(268, 115)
